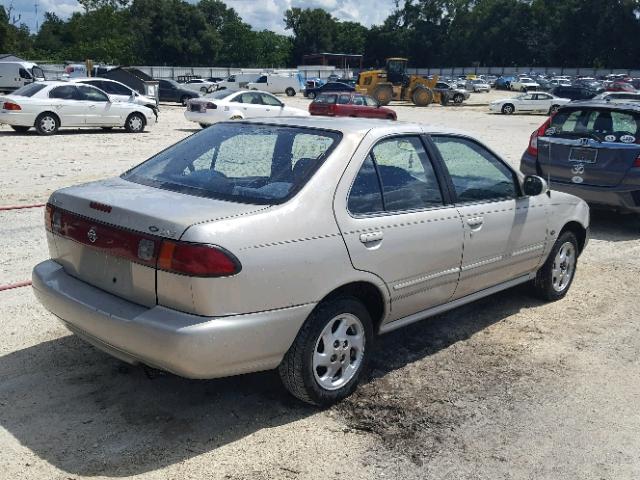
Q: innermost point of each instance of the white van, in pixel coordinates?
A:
(237, 81)
(278, 83)
(14, 75)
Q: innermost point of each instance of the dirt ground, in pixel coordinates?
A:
(506, 388)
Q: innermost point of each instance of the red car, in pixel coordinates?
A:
(349, 104)
(620, 87)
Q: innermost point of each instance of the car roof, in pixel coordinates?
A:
(358, 125)
(601, 104)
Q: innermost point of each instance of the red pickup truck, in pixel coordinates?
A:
(349, 104)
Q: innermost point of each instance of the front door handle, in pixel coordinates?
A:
(371, 237)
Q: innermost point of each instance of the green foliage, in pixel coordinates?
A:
(562, 33)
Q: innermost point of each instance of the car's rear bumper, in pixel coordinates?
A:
(188, 345)
(203, 118)
(19, 119)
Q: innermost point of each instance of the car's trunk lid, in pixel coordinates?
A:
(589, 146)
(112, 230)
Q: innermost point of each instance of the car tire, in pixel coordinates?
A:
(135, 123)
(290, 92)
(554, 279)
(306, 367)
(508, 109)
(47, 123)
(184, 99)
(422, 97)
(383, 94)
(458, 98)
(236, 117)
(311, 95)
(523, 89)
(20, 128)
(554, 109)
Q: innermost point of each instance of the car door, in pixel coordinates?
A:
(250, 104)
(505, 232)
(100, 110)
(398, 223)
(67, 103)
(541, 102)
(359, 108)
(526, 103)
(343, 105)
(167, 91)
(272, 106)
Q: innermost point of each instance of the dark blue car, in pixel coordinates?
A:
(328, 87)
(590, 149)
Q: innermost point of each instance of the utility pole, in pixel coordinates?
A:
(36, 7)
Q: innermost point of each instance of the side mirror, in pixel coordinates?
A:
(534, 185)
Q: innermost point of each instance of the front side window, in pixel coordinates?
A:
(344, 99)
(65, 92)
(371, 102)
(116, 88)
(92, 94)
(262, 79)
(358, 100)
(24, 74)
(270, 100)
(248, 163)
(476, 173)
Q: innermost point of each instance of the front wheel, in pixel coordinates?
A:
(290, 92)
(135, 123)
(458, 98)
(553, 280)
(508, 109)
(332, 349)
(184, 100)
(311, 95)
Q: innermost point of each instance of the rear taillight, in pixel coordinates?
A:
(197, 260)
(14, 107)
(532, 149)
(194, 259)
(636, 162)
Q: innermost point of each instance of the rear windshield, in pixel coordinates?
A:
(220, 94)
(595, 123)
(247, 163)
(29, 90)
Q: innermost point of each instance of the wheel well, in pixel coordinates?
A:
(48, 113)
(144, 117)
(579, 231)
(370, 296)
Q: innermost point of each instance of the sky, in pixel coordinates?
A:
(260, 14)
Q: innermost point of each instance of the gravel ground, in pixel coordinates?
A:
(506, 388)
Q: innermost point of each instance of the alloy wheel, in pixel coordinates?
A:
(563, 267)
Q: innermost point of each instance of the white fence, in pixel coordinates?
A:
(55, 71)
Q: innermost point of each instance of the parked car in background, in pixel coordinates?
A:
(199, 85)
(450, 93)
(620, 87)
(619, 97)
(14, 75)
(119, 92)
(172, 91)
(538, 102)
(590, 149)
(478, 86)
(349, 104)
(51, 105)
(237, 81)
(209, 275)
(559, 82)
(278, 83)
(504, 83)
(328, 87)
(237, 105)
(523, 84)
(574, 93)
(590, 84)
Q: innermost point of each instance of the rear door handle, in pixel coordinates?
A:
(475, 222)
(371, 237)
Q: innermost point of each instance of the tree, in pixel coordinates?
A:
(313, 31)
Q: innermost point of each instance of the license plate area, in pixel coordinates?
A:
(583, 155)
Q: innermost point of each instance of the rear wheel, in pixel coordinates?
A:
(20, 129)
(311, 95)
(508, 109)
(290, 92)
(383, 94)
(332, 349)
(422, 96)
(553, 280)
(135, 123)
(47, 123)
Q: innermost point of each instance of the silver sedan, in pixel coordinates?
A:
(291, 243)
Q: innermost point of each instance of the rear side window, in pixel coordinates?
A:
(477, 174)
(29, 90)
(65, 92)
(344, 99)
(405, 178)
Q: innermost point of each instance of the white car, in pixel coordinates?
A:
(50, 105)
(237, 105)
(199, 85)
(538, 102)
(524, 84)
(618, 97)
(119, 92)
(478, 85)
